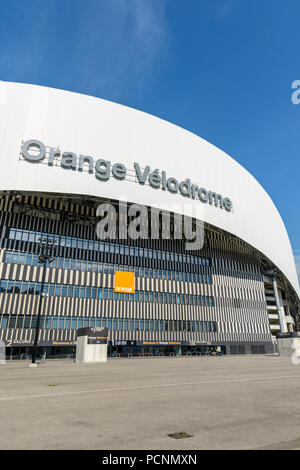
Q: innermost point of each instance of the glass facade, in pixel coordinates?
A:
(213, 296)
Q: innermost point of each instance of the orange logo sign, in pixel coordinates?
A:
(124, 282)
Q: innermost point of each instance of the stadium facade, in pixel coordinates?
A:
(62, 155)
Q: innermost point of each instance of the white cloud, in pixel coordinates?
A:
(121, 45)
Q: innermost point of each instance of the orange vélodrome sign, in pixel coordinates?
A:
(124, 282)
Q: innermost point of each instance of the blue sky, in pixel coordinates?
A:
(220, 68)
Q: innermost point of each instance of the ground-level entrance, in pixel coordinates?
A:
(137, 349)
(43, 352)
(67, 350)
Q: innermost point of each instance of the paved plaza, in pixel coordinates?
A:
(237, 402)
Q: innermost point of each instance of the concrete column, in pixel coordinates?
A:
(280, 309)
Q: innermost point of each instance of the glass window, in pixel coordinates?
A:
(82, 292)
(12, 233)
(18, 234)
(20, 320)
(70, 291)
(10, 286)
(77, 265)
(17, 288)
(51, 289)
(57, 290)
(89, 265)
(64, 291)
(72, 264)
(25, 236)
(8, 257)
(12, 321)
(3, 286)
(14, 258)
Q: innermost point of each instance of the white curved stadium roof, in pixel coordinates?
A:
(104, 130)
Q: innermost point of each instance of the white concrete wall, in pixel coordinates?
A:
(90, 352)
(289, 346)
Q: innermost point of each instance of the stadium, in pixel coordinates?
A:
(63, 155)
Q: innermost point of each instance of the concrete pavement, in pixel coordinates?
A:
(238, 402)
